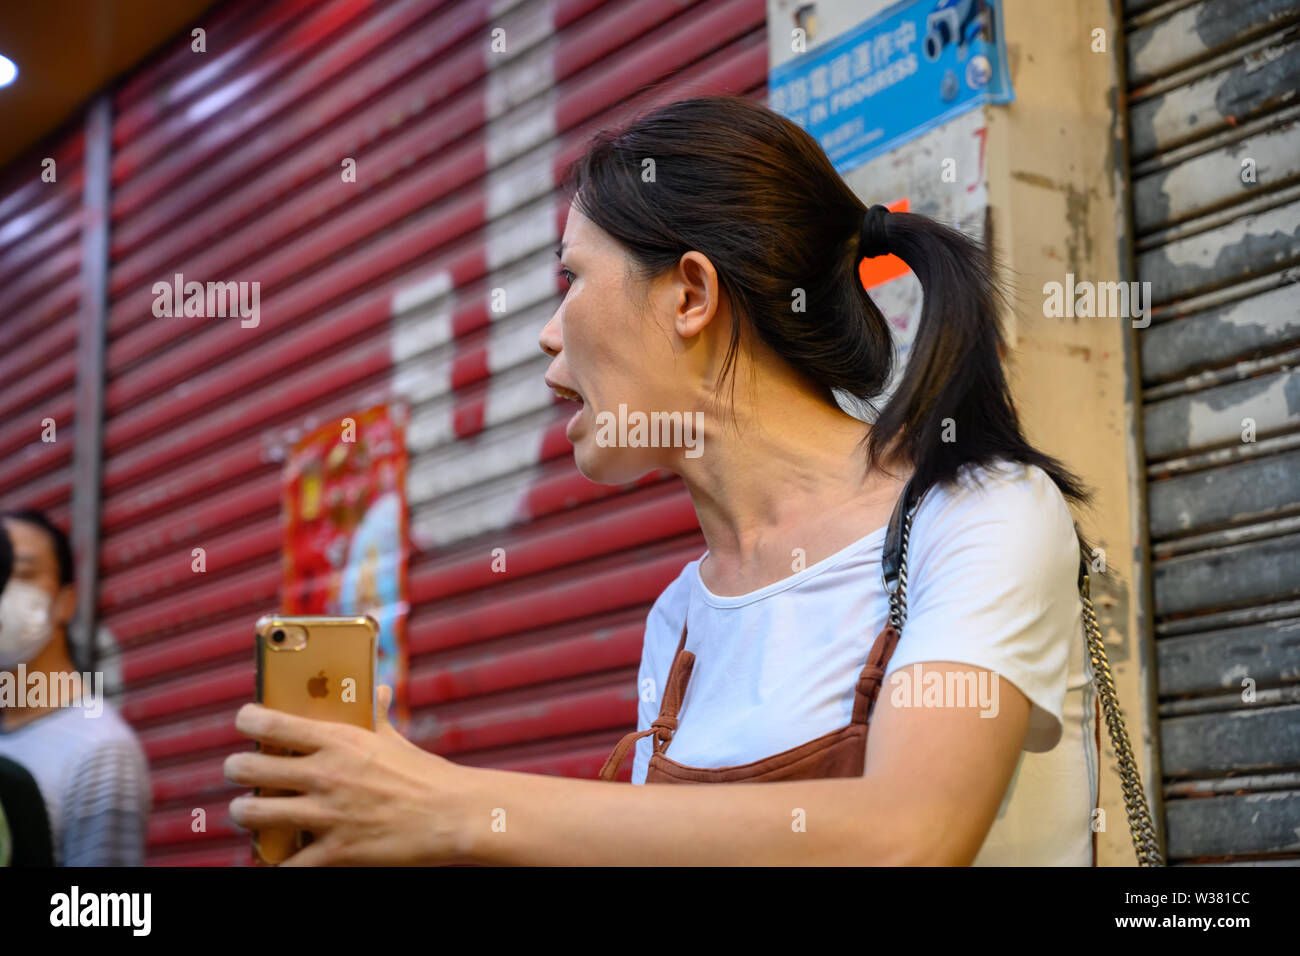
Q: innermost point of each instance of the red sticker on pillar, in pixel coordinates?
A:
(346, 537)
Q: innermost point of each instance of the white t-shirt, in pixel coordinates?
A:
(992, 582)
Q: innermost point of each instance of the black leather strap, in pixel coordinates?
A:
(891, 558)
(1083, 558)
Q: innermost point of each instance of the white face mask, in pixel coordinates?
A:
(25, 623)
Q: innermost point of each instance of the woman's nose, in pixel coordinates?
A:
(549, 339)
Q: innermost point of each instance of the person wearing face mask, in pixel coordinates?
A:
(24, 827)
(86, 760)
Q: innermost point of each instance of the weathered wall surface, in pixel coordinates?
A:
(1055, 184)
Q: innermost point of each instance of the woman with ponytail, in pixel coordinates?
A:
(904, 677)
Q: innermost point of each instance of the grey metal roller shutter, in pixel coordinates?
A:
(1214, 144)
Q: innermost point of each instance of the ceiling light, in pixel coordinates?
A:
(8, 70)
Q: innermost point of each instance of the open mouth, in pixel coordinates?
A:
(574, 425)
(567, 393)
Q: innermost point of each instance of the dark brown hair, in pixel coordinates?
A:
(757, 195)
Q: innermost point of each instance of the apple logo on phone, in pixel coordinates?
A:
(318, 686)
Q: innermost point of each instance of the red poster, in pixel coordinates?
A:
(345, 531)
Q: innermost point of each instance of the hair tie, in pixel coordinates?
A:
(872, 240)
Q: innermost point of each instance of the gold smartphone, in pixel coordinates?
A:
(319, 667)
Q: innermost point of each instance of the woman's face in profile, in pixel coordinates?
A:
(613, 343)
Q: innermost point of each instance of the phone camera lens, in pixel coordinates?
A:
(278, 636)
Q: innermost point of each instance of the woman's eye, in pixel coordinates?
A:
(566, 275)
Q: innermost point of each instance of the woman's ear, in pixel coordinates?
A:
(698, 294)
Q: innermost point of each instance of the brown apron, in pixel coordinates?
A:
(840, 753)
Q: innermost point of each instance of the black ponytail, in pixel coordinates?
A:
(952, 406)
(758, 196)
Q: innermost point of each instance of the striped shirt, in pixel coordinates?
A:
(92, 773)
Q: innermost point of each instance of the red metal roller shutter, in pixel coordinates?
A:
(40, 289)
(375, 290)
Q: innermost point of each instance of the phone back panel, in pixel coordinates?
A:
(331, 677)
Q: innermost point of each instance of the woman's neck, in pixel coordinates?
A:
(783, 483)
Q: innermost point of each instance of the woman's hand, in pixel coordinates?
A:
(368, 798)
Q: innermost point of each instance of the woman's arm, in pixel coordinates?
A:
(935, 777)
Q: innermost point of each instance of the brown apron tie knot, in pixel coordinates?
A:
(870, 678)
(664, 724)
(663, 728)
(873, 673)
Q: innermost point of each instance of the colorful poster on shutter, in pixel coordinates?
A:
(345, 531)
(885, 81)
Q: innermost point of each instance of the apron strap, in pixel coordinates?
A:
(664, 725)
(873, 673)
